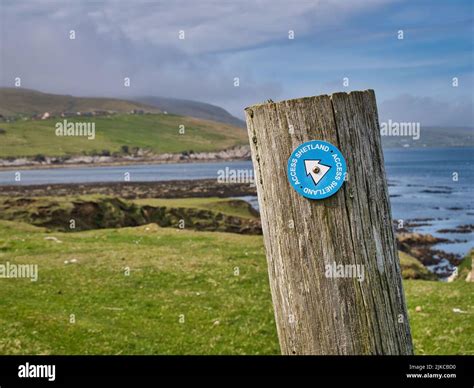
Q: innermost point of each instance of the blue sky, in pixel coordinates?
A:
(224, 39)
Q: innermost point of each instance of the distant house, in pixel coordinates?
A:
(45, 115)
(100, 113)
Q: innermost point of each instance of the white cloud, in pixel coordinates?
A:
(139, 39)
(209, 25)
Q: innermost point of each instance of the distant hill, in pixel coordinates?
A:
(192, 108)
(434, 137)
(134, 127)
(18, 101)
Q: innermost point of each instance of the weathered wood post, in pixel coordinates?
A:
(316, 313)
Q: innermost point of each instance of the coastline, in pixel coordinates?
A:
(134, 162)
(237, 153)
(159, 189)
(434, 214)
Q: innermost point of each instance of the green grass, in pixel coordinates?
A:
(237, 208)
(437, 329)
(466, 266)
(173, 272)
(156, 132)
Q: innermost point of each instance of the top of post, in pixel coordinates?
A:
(294, 100)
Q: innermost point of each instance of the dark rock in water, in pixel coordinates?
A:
(459, 229)
(412, 224)
(430, 191)
(438, 190)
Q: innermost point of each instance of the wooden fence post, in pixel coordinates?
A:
(316, 314)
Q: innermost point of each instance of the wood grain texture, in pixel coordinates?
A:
(316, 314)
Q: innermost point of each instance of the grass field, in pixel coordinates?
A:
(187, 293)
(437, 328)
(156, 132)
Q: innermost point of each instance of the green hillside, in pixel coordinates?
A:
(18, 101)
(191, 108)
(156, 132)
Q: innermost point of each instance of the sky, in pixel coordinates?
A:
(333, 41)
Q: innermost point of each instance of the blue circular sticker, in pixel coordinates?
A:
(316, 169)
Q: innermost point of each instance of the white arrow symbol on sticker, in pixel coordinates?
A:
(316, 170)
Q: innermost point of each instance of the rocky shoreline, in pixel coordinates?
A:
(139, 156)
(423, 248)
(112, 212)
